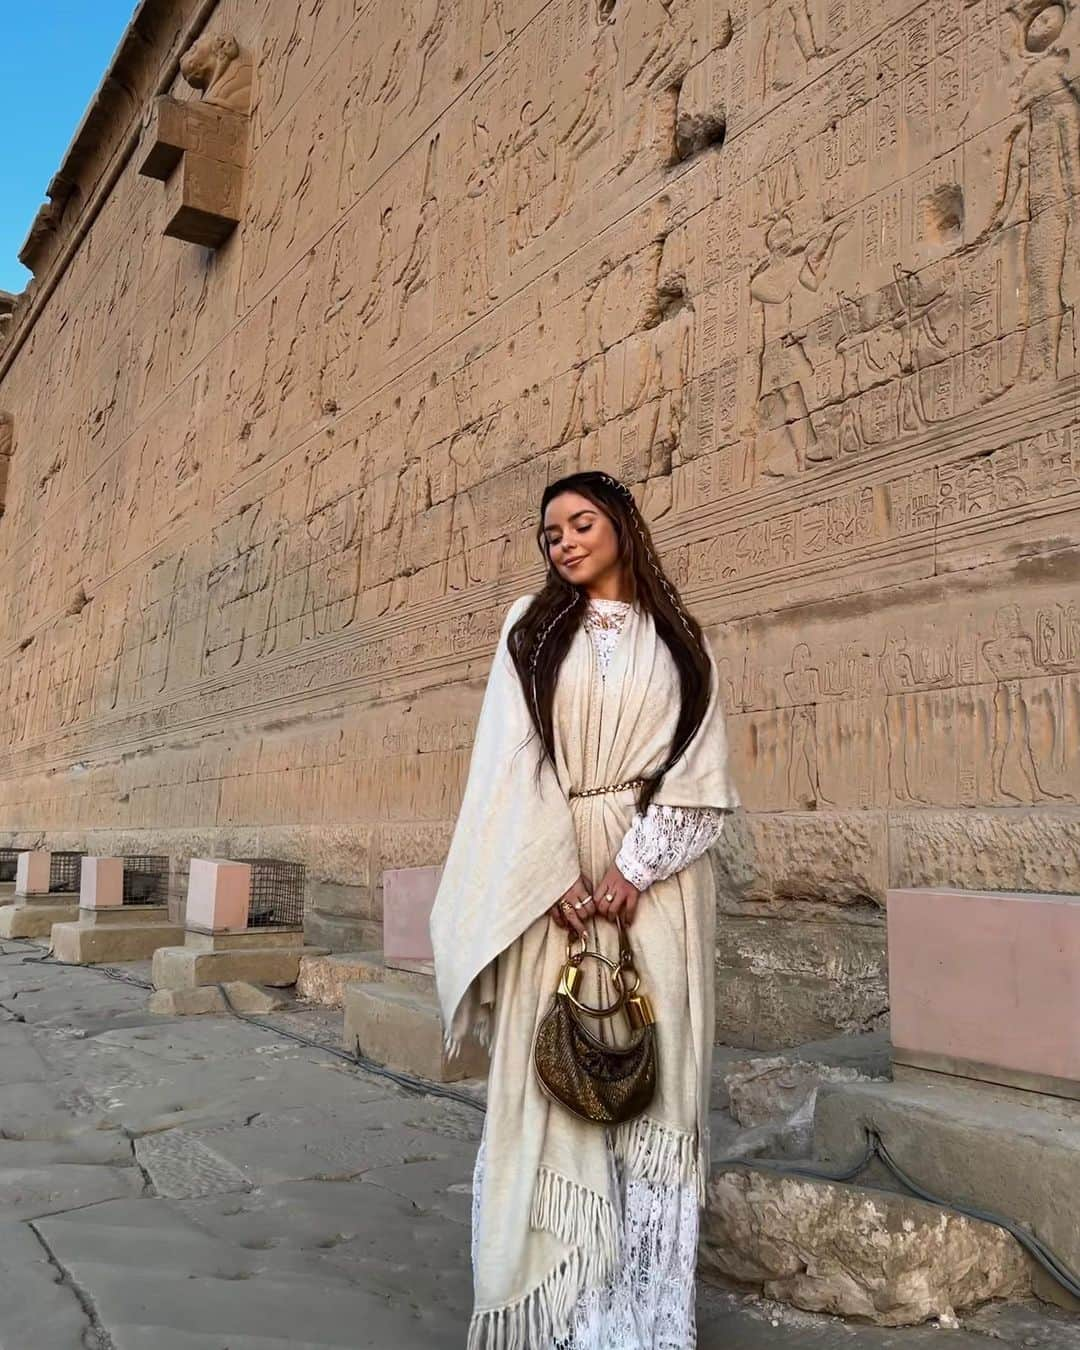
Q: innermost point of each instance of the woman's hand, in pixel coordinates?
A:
(616, 898)
(572, 909)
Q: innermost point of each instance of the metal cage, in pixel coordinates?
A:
(277, 893)
(146, 879)
(9, 863)
(65, 872)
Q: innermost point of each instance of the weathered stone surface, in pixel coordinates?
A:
(1021, 850)
(34, 920)
(189, 968)
(323, 979)
(857, 1253)
(801, 274)
(779, 984)
(1005, 1152)
(776, 1088)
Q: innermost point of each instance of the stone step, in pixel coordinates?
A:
(1012, 1153)
(188, 967)
(36, 920)
(88, 944)
(323, 979)
(402, 1029)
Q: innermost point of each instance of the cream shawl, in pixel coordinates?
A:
(548, 1218)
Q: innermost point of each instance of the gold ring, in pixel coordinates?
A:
(609, 896)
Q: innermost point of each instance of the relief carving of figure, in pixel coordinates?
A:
(415, 272)
(785, 370)
(1040, 180)
(803, 684)
(1010, 654)
(898, 677)
(788, 45)
(215, 66)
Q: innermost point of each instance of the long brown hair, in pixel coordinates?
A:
(541, 638)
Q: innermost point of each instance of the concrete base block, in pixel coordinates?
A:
(187, 968)
(7, 892)
(323, 979)
(1016, 1154)
(402, 1028)
(96, 943)
(245, 998)
(34, 921)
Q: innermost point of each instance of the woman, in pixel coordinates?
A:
(598, 780)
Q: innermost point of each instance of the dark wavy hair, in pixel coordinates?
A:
(541, 638)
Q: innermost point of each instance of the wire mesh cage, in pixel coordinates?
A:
(9, 863)
(146, 879)
(277, 893)
(65, 872)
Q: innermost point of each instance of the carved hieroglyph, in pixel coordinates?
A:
(804, 272)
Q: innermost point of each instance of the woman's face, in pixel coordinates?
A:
(581, 541)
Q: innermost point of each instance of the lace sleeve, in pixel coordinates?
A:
(665, 840)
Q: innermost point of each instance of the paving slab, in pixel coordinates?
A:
(38, 1310)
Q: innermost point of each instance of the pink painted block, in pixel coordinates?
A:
(219, 893)
(987, 984)
(408, 895)
(102, 883)
(32, 873)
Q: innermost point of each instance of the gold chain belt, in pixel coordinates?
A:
(614, 787)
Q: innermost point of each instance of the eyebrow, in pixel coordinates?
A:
(585, 511)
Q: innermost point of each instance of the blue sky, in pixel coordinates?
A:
(55, 53)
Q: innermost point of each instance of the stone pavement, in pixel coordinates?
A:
(205, 1184)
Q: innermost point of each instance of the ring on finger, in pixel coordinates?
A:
(609, 897)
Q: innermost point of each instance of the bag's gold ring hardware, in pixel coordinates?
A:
(569, 984)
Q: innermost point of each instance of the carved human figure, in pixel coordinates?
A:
(530, 175)
(1010, 654)
(898, 677)
(803, 684)
(1040, 178)
(415, 272)
(215, 65)
(587, 119)
(785, 372)
(788, 45)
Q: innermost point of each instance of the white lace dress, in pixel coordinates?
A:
(649, 1305)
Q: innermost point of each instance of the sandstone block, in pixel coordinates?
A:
(35, 921)
(323, 979)
(780, 982)
(202, 200)
(246, 998)
(185, 968)
(179, 126)
(776, 1088)
(1005, 850)
(82, 944)
(888, 1259)
(403, 1029)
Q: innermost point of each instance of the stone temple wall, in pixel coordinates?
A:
(803, 272)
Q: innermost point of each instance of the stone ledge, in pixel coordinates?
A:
(79, 944)
(185, 968)
(403, 1029)
(323, 979)
(1016, 1154)
(35, 921)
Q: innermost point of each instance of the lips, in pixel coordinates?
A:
(571, 563)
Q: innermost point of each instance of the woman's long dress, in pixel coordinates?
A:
(649, 1305)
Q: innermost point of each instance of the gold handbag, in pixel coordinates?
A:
(606, 1084)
